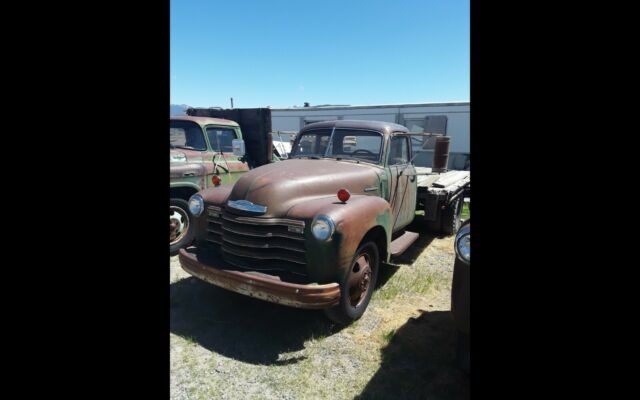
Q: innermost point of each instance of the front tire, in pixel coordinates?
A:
(357, 285)
(180, 225)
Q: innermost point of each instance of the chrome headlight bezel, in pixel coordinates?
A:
(322, 227)
(463, 244)
(196, 205)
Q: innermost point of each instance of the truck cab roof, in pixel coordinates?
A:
(380, 126)
(202, 121)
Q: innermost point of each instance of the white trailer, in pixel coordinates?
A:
(451, 119)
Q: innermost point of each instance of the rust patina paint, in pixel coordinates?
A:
(203, 174)
(289, 183)
(301, 189)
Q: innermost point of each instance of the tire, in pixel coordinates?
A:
(448, 222)
(450, 218)
(462, 352)
(180, 225)
(353, 300)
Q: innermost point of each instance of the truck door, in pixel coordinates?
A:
(229, 167)
(402, 182)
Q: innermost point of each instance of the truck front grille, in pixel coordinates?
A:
(258, 244)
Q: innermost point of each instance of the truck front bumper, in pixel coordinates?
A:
(260, 286)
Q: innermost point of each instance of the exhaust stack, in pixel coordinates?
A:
(441, 154)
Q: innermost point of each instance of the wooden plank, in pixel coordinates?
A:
(427, 180)
(451, 177)
(423, 170)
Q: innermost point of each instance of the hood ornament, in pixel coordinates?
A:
(247, 206)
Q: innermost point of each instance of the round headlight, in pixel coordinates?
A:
(196, 204)
(463, 243)
(322, 227)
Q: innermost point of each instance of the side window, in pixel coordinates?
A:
(399, 150)
(430, 123)
(221, 139)
(436, 124)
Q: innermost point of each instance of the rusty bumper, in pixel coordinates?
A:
(261, 286)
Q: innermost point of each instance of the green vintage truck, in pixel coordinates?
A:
(200, 153)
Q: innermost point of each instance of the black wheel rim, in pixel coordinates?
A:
(359, 282)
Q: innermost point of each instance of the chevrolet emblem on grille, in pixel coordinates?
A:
(247, 206)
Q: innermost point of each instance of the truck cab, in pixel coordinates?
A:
(311, 231)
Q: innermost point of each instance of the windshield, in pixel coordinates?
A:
(186, 135)
(345, 144)
(221, 139)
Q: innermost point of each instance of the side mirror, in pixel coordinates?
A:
(238, 147)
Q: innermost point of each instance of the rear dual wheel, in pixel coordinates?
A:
(357, 285)
(448, 221)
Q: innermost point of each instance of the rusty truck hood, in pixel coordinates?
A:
(284, 184)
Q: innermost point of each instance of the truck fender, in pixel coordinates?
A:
(353, 220)
(216, 194)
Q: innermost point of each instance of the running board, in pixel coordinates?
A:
(402, 243)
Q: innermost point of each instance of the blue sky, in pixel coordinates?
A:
(281, 53)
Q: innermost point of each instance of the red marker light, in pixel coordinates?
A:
(343, 195)
(216, 180)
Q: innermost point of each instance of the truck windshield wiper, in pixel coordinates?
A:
(307, 156)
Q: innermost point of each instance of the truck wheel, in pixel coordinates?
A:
(357, 285)
(448, 221)
(451, 216)
(180, 227)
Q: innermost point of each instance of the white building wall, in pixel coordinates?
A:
(457, 113)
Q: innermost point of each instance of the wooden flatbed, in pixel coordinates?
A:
(441, 191)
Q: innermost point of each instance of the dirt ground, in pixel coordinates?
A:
(225, 345)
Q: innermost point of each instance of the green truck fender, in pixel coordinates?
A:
(361, 216)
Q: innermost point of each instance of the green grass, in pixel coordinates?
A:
(388, 335)
(411, 280)
(466, 212)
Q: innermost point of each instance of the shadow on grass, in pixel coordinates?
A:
(252, 330)
(241, 327)
(419, 362)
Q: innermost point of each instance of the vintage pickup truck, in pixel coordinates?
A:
(199, 149)
(312, 231)
(201, 156)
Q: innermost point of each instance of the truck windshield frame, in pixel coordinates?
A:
(341, 133)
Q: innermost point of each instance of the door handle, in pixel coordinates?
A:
(189, 174)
